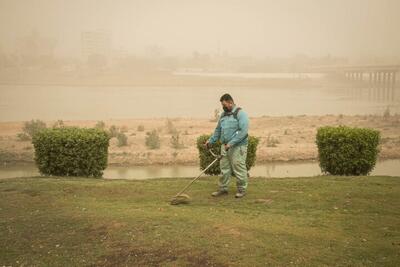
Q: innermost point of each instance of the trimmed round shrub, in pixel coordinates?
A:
(344, 150)
(206, 158)
(71, 151)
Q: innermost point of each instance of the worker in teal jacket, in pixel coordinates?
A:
(232, 131)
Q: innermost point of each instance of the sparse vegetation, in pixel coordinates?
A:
(100, 125)
(118, 133)
(386, 113)
(152, 139)
(23, 137)
(271, 141)
(385, 140)
(30, 128)
(113, 131)
(122, 139)
(170, 127)
(176, 141)
(216, 115)
(58, 124)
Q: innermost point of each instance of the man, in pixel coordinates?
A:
(232, 131)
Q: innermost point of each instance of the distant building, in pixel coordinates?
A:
(96, 43)
(34, 48)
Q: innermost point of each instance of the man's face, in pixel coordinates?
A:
(227, 105)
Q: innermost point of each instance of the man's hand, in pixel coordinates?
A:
(207, 144)
(227, 146)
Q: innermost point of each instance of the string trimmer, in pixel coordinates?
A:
(181, 198)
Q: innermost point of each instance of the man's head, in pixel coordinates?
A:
(227, 102)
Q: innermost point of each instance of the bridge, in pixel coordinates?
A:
(371, 73)
(380, 79)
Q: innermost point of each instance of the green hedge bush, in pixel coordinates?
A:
(344, 150)
(71, 151)
(206, 158)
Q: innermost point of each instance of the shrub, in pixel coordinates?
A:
(71, 151)
(100, 125)
(386, 113)
(206, 158)
(122, 139)
(23, 137)
(119, 133)
(58, 124)
(113, 131)
(271, 141)
(170, 127)
(344, 150)
(152, 140)
(216, 115)
(34, 126)
(176, 142)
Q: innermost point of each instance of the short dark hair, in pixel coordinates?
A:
(226, 97)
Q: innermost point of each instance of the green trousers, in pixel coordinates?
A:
(233, 163)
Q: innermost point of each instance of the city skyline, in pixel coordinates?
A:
(353, 29)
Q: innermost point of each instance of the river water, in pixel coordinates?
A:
(26, 102)
(23, 102)
(273, 169)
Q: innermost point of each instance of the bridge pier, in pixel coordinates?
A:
(379, 80)
(375, 76)
(385, 77)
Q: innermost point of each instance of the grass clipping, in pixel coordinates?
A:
(180, 199)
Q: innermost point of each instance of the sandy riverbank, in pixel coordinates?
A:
(294, 138)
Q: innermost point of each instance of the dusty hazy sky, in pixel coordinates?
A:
(253, 27)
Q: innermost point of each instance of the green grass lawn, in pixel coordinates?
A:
(310, 221)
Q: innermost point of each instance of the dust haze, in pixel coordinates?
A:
(52, 54)
(358, 30)
(142, 66)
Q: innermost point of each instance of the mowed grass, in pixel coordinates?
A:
(307, 221)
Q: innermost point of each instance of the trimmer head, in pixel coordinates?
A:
(180, 199)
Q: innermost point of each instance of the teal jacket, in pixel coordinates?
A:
(230, 130)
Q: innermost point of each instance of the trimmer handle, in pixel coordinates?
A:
(215, 156)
